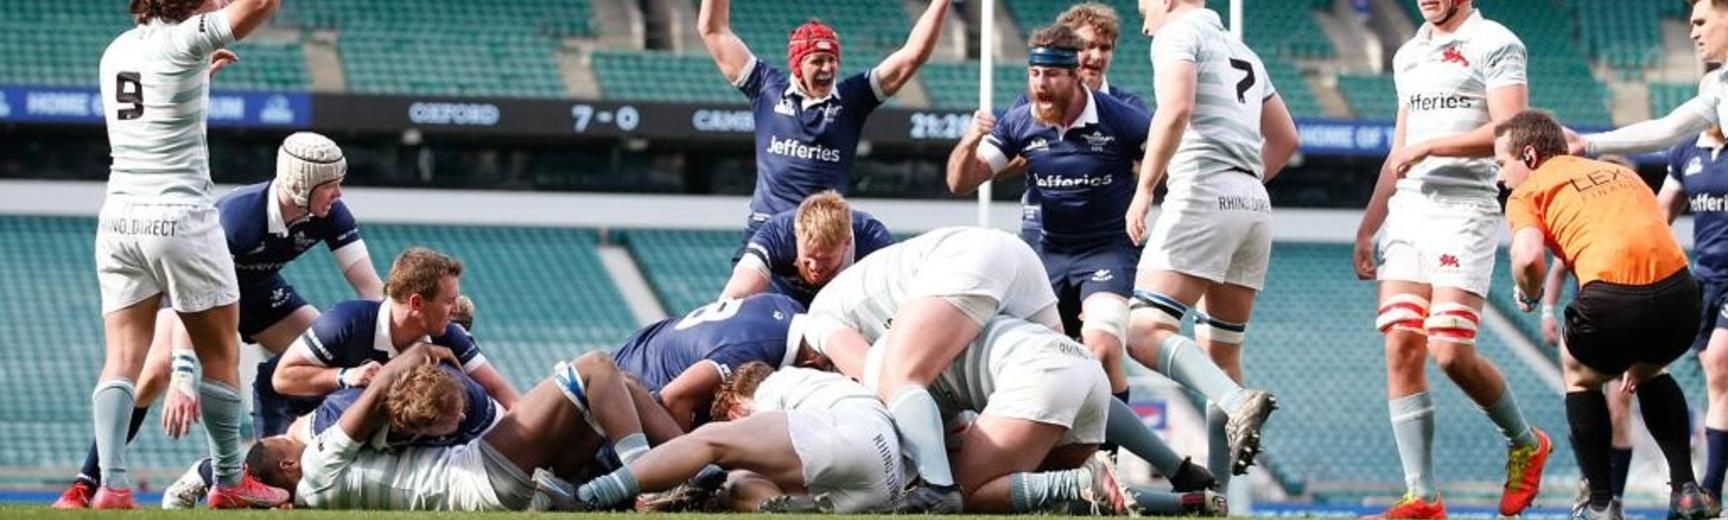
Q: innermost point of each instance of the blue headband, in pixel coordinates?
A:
(1053, 57)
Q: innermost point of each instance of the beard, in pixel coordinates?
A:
(1051, 109)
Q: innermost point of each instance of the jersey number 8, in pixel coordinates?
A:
(718, 311)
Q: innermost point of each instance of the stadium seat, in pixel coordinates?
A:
(1665, 97)
(686, 269)
(1370, 97)
(658, 76)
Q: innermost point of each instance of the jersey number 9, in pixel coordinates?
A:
(129, 90)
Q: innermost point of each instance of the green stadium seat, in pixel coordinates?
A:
(1370, 97)
(686, 269)
(1665, 97)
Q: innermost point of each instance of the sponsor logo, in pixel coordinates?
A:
(1080, 181)
(1707, 203)
(459, 114)
(1244, 204)
(277, 111)
(728, 121)
(1451, 54)
(1038, 144)
(1102, 275)
(1694, 167)
(1449, 261)
(1419, 102)
(278, 297)
(141, 227)
(789, 147)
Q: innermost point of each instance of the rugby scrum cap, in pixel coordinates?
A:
(812, 37)
(305, 161)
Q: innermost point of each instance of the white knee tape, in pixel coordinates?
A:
(1452, 322)
(1109, 316)
(1403, 312)
(1157, 307)
(1207, 328)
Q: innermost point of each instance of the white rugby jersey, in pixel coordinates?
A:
(1443, 82)
(341, 473)
(155, 89)
(1004, 342)
(795, 388)
(1231, 86)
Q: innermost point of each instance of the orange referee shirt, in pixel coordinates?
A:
(1599, 218)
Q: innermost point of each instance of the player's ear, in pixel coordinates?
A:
(1529, 157)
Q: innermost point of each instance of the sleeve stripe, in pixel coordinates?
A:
(749, 72)
(348, 255)
(992, 155)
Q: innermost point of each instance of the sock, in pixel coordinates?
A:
(1717, 460)
(1123, 396)
(1158, 503)
(1218, 445)
(91, 473)
(1664, 408)
(1110, 446)
(1182, 361)
(920, 425)
(609, 489)
(631, 447)
(207, 472)
(1038, 492)
(1123, 427)
(1506, 416)
(1619, 464)
(111, 401)
(1587, 413)
(1413, 431)
(222, 414)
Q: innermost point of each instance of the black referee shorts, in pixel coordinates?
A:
(1610, 327)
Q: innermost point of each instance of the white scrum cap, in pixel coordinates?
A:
(306, 160)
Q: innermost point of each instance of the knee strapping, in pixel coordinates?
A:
(569, 381)
(1108, 317)
(1160, 308)
(1404, 313)
(1208, 328)
(1452, 322)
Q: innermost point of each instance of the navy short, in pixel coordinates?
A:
(264, 303)
(1032, 226)
(273, 412)
(1710, 318)
(1076, 273)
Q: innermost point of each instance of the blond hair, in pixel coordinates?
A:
(419, 270)
(1100, 17)
(424, 397)
(741, 385)
(823, 220)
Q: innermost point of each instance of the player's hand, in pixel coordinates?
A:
(1550, 330)
(1407, 157)
(360, 376)
(1362, 258)
(1136, 217)
(982, 123)
(221, 59)
(434, 354)
(1575, 143)
(180, 410)
(1526, 302)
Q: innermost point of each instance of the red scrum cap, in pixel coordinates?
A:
(813, 36)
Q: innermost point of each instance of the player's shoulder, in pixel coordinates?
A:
(1491, 35)
(358, 311)
(1118, 111)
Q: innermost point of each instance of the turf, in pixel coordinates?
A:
(11, 512)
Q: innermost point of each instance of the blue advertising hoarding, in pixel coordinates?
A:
(31, 104)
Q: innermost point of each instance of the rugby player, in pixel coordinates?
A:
(159, 234)
(560, 424)
(1436, 197)
(1221, 132)
(808, 118)
(795, 253)
(1637, 307)
(267, 225)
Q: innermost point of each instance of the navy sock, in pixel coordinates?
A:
(1717, 457)
(1619, 464)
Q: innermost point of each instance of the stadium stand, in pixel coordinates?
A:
(954, 86)
(868, 30)
(1665, 97)
(1625, 35)
(481, 63)
(659, 76)
(686, 269)
(542, 293)
(1372, 97)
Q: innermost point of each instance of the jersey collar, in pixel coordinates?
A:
(273, 221)
(793, 88)
(1104, 84)
(381, 333)
(1464, 32)
(1088, 116)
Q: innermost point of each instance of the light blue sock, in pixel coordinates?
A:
(1413, 429)
(1218, 445)
(920, 424)
(1182, 361)
(222, 413)
(631, 447)
(1157, 503)
(609, 489)
(1041, 492)
(1124, 428)
(1506, 416)
(111, 410)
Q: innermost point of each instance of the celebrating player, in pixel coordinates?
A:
(267, 226)
(1635, 289)
(808, 121)
(1460, 75)
(159, 233)
(797, 252)
(1221, 132)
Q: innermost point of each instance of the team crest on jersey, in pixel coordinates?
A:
(1451, 54)
(830, 112)
(1102, 275)
(779, 315)
(301, 242)
(1694, 167)
(1098, 140)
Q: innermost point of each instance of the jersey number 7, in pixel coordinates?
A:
(1247, 82)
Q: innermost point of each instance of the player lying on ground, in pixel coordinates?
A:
(560, 425)
(797, 252)
(816, 442)
(1637, 306)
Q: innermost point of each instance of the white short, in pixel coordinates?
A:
(1443, 242)
(1218, 228)
(849, 453)
(147, 249)
(1065, 390)
(481, 479)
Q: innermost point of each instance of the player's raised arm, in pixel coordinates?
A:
(975, 160)
(1684, 122)
(713, 23)
(1279, 130)
(898, 68)
(246, 15)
